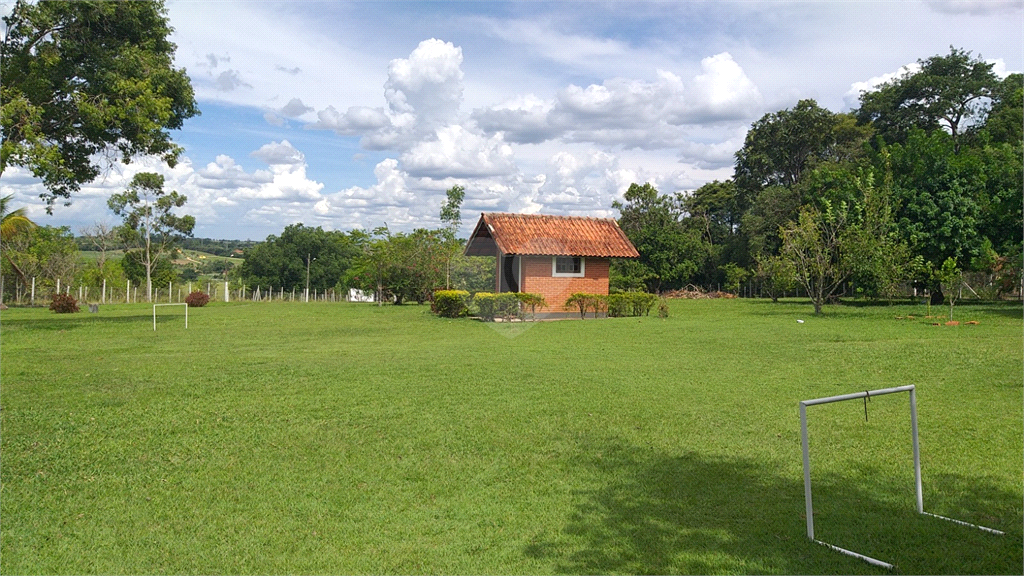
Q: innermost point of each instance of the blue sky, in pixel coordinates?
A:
(353, 114)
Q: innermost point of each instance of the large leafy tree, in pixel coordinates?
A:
(85, 83)
(952, 92)
(283, 261)
(783, 146)
(149, 223)
(671, 249)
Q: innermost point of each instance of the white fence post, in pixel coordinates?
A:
(227, 293)
(33, 299)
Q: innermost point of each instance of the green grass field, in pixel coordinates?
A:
(344, 438)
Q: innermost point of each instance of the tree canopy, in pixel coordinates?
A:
(87, 82)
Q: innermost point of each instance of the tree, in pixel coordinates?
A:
(775, 274)
(671, 251)
(950, 92)
(44, 252)
(950, 276)
(781, 147)
(451, 217)
(102, 237)
(149, 224)
(88, 82)
(13, 223)
(817, 246)
(282, 260)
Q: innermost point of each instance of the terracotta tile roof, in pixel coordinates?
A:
(531, 234)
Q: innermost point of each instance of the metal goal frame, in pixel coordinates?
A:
(917, 465)
(174, 304)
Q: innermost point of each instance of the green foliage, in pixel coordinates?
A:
(63, 304)
(504, 305)
(87, 81)
(671, 250)
(284, 261)
(149, 222)
(472, 273)
(817, 246)
(42, 252)
(663, 307)
(734, 277)
(620, 304)
(775, 275)
(451, 303)
(134, 267)
(197, 299)
(585, 302)
(782, 146)
(946, 92)
(531, 301)
(950, 276)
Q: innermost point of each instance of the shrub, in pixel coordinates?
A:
(618, 305)
(450, 303)
(64, 304)
(507, 306)
(490, 306)
(528, 299)
(197, 299)
(642, 303)
(585, 302)
(662, 307)
(485, 304)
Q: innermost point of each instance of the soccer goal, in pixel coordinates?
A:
(177, 304)
(917, 465)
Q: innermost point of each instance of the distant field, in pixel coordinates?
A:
(187, 256)
(346, 438)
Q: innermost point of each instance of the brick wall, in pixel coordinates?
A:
(537, 279)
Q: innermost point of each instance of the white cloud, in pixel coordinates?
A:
(852, 96)
(459, 153)
(428, 83)
(276, 153)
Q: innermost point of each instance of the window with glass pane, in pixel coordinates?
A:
(567, 265)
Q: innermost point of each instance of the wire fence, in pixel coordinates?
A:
(38, 292)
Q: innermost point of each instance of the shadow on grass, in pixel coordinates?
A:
(73, 321)
(655, 514)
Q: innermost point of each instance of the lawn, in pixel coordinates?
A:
(345, 438)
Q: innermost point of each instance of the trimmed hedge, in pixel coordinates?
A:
(506, 305)
(450, 303)
(616, 305)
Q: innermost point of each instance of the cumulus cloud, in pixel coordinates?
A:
(278, 153)
(224, 174)
(459, 153)
(428, 83)
(630, 112)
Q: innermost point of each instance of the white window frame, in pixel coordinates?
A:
(556, 274)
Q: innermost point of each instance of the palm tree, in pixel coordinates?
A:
(12, 223)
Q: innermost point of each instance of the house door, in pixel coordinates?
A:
(510, 273)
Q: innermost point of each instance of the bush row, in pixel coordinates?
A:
(617, 305)
(506, 305)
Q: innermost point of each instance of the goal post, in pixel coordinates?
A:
(917, 464)
(175, 304)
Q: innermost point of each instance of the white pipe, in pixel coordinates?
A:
(867, 559)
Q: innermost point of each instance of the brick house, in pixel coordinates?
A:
(549, 255)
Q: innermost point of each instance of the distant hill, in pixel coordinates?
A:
(227, 248)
